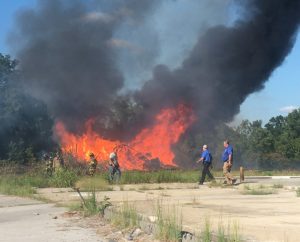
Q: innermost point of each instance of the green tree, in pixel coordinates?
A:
(26, 128)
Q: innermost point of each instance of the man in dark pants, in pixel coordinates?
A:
(206, 159)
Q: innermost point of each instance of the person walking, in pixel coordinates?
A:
(114, 172)
(206, 159)
(227, 159)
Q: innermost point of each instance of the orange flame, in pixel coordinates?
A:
(152, 143)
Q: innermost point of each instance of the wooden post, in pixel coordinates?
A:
(242, 177)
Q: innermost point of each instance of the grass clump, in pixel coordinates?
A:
(63, 178)
(206, 234)
(126, 217)
(169, 226)
(92, 207)
(221, 237)
(22, 185)
(233, 234)
(98, 182)
(261, 190)
(229, 233)
(277, 186)
(161, 176)
(298, 192)
(13, 185)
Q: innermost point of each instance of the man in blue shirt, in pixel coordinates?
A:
(206, 159)
(227, 159)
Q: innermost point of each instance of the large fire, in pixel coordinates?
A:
(151, 144)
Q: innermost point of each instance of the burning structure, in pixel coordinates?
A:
(74, 57)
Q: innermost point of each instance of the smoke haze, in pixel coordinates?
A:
(79, 58)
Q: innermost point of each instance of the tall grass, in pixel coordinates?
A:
(161, 176)
(169, 224)
(225, 233)
(92, 207)
(233, 234)
(18, 186)
(182, 176)
(126, 217)
(24, 185)
(206, 234)
(98, 181)
(63, 178)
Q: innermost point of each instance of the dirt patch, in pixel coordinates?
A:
(272, 217)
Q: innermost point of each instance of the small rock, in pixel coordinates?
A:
(110, 240)
(187, 236)
(152, 218)
(55, 217)
(36, 214)
(136, 232)
(129, 237)
(147, 227)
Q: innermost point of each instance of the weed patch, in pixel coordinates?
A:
(126, 217)
(277, 186)
(261, 190)
(298, 192)
(169, 225)
(63, 178)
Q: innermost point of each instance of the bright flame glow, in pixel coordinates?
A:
(151, 143)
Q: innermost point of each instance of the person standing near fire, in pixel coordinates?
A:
(92, 164)
(58, 161)
(206, 159)
(227, 159)
(114, 167)
(48, 159)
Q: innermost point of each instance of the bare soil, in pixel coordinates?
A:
(273, 217)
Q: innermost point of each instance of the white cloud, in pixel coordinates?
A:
(288, 109)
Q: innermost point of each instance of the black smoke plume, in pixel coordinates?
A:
(67, 52)
(228, 63)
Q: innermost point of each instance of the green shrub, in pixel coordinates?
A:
(63, 178)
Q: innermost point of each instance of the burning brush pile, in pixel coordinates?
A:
(150, 148)
(97, 66)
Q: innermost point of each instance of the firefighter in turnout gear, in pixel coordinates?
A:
(92, 164)
(58, 161)
(49, 164)
(114, 172)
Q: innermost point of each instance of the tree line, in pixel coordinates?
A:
(25, 125)
(26, 130)
(274, 145)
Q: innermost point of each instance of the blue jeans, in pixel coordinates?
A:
(114, 172)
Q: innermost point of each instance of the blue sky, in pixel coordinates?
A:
(281, 92)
